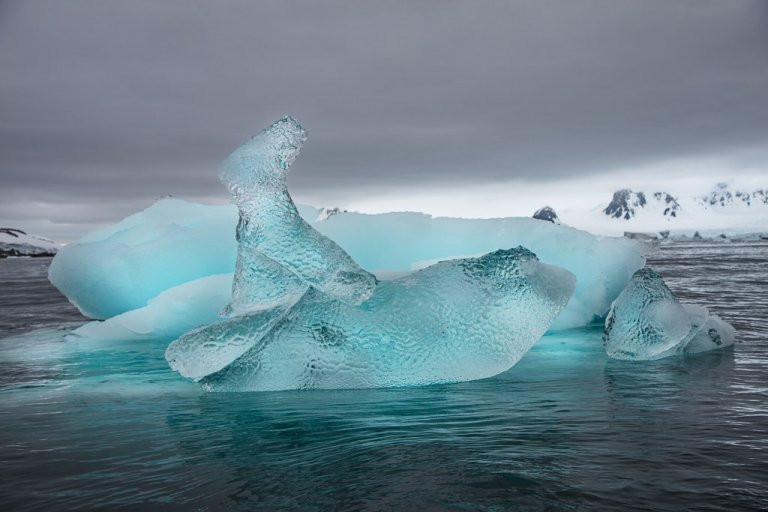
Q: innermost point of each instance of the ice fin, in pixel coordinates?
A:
(270, 224)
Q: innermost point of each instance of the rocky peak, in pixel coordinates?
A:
(625, 203)
(548, 214)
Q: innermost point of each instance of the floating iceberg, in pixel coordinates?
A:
(121, 267)
(647, 322)
(131, 271)
(300, 318)
(457, 320)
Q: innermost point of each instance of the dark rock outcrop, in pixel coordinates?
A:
(548, 214)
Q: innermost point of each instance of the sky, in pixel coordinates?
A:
(473, 108)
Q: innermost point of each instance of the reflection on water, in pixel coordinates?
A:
(89, 426)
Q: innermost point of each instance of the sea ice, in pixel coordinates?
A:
(457, 320)
(121, 268)
(646, 321)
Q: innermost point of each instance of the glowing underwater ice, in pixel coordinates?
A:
(647, 321)
(299, 317)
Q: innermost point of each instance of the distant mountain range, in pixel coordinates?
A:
(627, 204)
(724, 209)
(723, 197)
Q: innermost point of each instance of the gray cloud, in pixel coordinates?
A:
(105, 106)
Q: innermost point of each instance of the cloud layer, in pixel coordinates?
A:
(105, 106)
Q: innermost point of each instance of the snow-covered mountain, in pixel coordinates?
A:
(15, 242)
(626, 204)
(325, 213)
(724, 197)
(723, 209)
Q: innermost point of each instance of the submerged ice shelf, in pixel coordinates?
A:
(350, 300)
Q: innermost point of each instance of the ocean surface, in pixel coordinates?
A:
(108, 426)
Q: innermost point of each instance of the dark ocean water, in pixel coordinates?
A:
(89, 426)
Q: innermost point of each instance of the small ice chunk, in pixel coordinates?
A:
(646, 321)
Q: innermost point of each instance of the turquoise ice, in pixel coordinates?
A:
(454, 321)
(181, 256)
(275, 245)
(648, 322)
(122, 267)
(304, 315)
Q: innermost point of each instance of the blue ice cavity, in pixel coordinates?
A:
(648, 322)
(456, 320)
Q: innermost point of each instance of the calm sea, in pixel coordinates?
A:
(107, 426)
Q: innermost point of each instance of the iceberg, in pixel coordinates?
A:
(122, 267)
(648, 322)
(457, 320)
(125, 268)
(304, 315)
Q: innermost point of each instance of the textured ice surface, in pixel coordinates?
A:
(457, 320)
(647, 322)
(167, 316)
(279, 255)
(270, 225)
(121, 267)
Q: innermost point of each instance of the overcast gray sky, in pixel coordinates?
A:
(107, 105)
